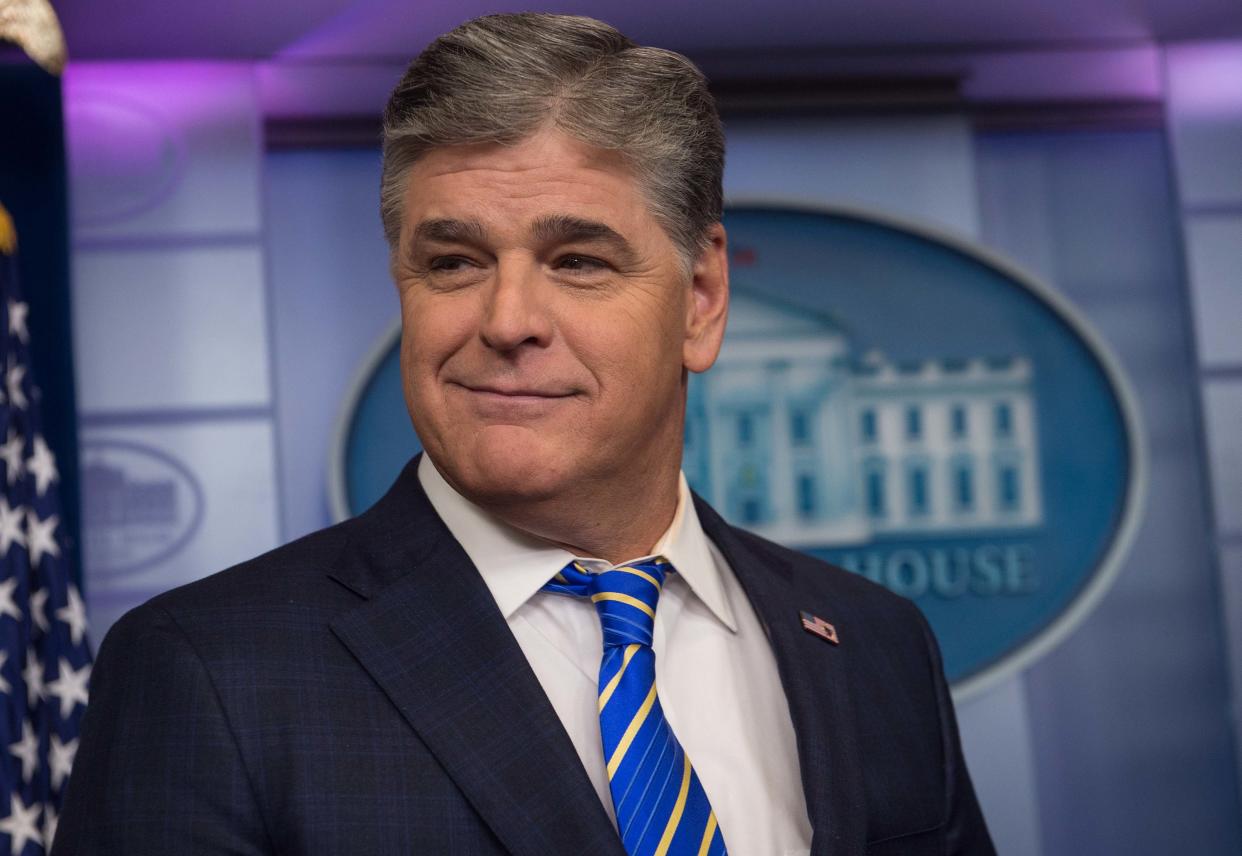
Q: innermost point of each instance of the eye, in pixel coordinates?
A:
(448, 264)
(581, 264)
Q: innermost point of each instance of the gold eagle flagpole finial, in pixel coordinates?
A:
(32, 26)
(8, 233)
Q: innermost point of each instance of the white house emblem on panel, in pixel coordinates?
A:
(795, 436)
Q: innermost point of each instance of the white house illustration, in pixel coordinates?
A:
(795, 438)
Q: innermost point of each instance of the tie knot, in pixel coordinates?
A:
(625, 597)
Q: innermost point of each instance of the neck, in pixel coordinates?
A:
(594, 523)
(616, 518)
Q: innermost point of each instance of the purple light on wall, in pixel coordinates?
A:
(135, 129)
(1123, 73)
(304, 90)
(124, 156)
(1205, 79)
(181, 90)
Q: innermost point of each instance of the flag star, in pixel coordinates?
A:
(10, 526)
(70, 687)
(17, 320)
(43, 464)
(27, 749)
(38, 607)
(50, 820)
(4, 682)
(40, 537)
(61, 759)
(21, 825)
(33, 676)
(7, 606)
(11, 454)
(13, 380)
(74, 615)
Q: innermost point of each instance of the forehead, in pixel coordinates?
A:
(548, 171)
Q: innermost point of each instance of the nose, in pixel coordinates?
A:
(515, 312)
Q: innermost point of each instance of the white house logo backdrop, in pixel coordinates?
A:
(140, 506)
(897, 403)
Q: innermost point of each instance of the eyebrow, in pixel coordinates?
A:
(448, 231)
(552, 229)
(565, 229)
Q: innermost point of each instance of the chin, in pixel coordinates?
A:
(505, 467)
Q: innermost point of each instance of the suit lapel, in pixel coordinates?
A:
(431, 635)
(816, 685)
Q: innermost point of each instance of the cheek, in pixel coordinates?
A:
(639, 371)
(432, 330)
(414, 386)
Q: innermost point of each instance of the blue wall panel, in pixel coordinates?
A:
(1129, 716)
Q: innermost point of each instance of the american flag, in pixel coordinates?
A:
(45, 663)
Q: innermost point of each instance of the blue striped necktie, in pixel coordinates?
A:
(660, 806)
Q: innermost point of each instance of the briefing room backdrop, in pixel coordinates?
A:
(226, 291)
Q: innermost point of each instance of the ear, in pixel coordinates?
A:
(708, 306)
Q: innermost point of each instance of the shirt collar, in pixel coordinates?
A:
(515, 565)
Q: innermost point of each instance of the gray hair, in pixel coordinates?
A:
(500, 78)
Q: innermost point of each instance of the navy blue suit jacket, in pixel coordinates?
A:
(358, 692)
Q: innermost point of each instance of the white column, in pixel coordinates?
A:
(780, 475)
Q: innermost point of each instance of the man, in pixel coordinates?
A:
(471, 665)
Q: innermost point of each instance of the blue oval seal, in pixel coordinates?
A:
(895, 401)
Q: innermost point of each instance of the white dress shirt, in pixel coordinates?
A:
(715, 672)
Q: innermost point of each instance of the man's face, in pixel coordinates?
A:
(547, 320)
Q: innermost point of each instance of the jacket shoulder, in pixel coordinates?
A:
(293, 576)
(889, 625)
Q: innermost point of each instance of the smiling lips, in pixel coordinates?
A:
(498, 400)
(514, 391)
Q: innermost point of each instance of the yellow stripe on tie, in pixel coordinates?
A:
(675, 818)
(623, 598)
(646, 576)
(631, 732)
(707, 834)
(560, 578)
(630, 650)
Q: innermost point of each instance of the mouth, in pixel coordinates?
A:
(515, 392)
(506, 400)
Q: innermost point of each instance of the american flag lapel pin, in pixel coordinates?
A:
(822, 629)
